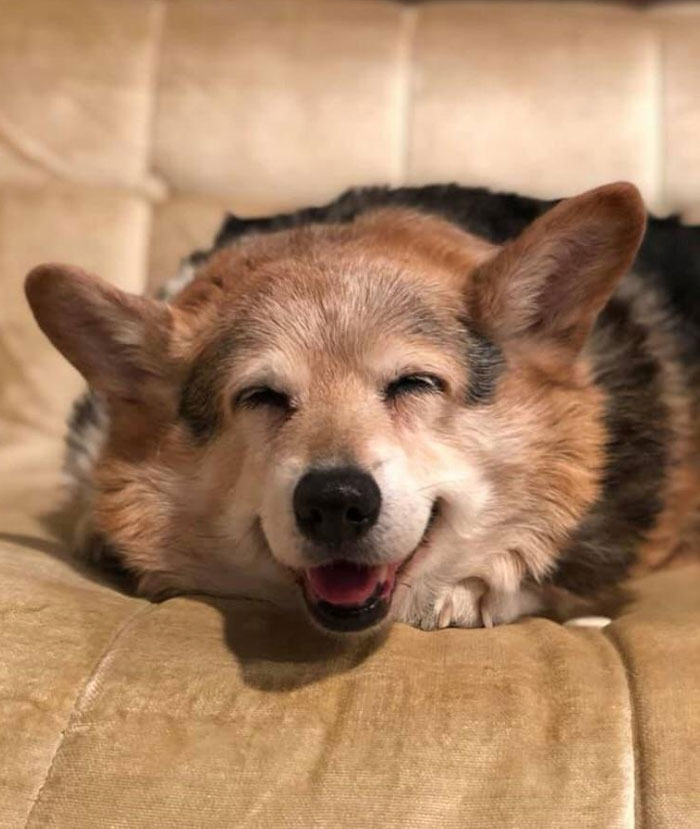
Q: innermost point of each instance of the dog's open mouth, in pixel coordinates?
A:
(346, 596)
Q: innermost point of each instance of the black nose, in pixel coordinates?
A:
(336, 505)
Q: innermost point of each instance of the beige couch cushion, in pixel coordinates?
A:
(126, 128)
(189, 713)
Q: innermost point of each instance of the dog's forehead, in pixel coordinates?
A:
(392, 244)
(324, 304)
(342, 291)
(330, 315)
(391, 269)
(336, 298)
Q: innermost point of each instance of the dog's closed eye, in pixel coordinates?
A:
(263, 396)
(410, 384)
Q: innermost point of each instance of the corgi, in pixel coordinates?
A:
(440, 406)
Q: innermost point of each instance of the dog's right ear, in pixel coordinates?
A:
(117, 341)
(550, 283)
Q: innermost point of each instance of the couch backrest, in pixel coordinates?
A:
(128, 126)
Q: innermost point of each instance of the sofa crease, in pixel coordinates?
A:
(83, 696)
(638, 822)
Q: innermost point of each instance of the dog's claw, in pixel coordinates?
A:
(445, 615)
(486, 618)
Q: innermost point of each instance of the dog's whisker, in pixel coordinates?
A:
(245, 536)
(445, 482)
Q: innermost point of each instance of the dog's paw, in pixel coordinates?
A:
(459, 606)
(468, 604)
(500, 607)
(430, 609)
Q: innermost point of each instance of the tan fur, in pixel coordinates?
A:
(332, 313)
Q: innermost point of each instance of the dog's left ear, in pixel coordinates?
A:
(117, 341)
(551, 282)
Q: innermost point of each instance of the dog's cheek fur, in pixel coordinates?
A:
(533, 458)
(549, 469)
(543, 469)
(130, 508)
(452, 465)
(276, 515)
(137, 505)
(407, 486)
(169, 516)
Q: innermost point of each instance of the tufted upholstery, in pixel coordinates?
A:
(126, 128)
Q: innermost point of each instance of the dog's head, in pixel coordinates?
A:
(351, 406)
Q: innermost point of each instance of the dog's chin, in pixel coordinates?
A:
(344, 596)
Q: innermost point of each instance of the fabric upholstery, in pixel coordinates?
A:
(127, 127)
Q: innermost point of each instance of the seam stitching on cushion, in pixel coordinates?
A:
(164, 191)
(658, 126)
(611, 636)
(409, 25)
(33, 152)
(161, 11)
(83, 695)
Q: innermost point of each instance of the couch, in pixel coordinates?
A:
(127, 127)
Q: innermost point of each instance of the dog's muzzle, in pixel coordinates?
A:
(334, 509)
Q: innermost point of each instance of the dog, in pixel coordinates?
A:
(436, 405)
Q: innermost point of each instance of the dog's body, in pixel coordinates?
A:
(375, 400)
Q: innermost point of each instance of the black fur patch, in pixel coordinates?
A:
(86, 426)
(669, 262)
(200, 399)
(83, 414)
(494, 216)
(485, 363)
(604, 546)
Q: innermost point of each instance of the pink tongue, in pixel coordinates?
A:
(343, 583)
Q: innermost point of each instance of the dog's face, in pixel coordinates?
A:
(350, 410)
